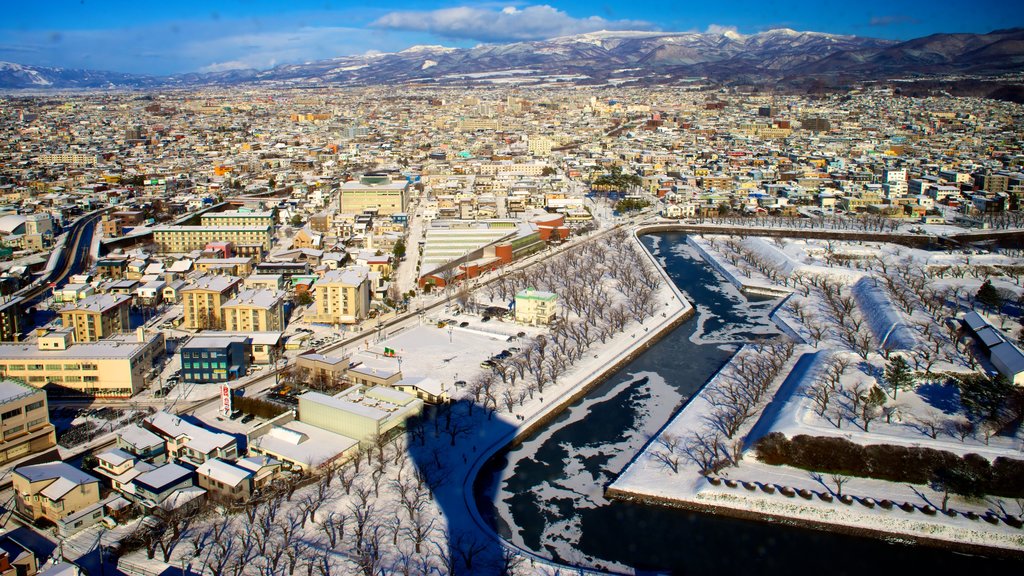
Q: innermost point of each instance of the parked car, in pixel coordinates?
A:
(248, 418)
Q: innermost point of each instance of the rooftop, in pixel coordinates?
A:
(98, 303)
(115, 348)
(11, 390)
(256, 298)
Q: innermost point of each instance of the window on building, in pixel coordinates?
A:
(34, 406)
(10, 414)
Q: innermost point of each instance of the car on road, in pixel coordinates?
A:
(463, 324)
(248, 418)
(236, 415)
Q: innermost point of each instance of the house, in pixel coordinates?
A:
(264, 469)
(225, 480)
(154, 487)
(141, 443)
(121, 468)
(191, 443)
(53, 490)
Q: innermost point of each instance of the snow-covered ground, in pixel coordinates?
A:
(845, 295)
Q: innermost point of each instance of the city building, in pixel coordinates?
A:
(12, 319)
(536, 307)
(360, 413)
(203, 299)
(342, 296)
(243, 217)
(215, 358)
(255, 310)
(247, 240)
(97, 316)
(117, 367)
(24, 421)
(374, 192)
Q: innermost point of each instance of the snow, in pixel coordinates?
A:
(886, 322)
(791, 411)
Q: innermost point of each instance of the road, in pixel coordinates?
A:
(71, 259)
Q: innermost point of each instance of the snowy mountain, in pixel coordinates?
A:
(598, 57)
(26, 77)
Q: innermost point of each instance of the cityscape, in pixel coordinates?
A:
(515, 290)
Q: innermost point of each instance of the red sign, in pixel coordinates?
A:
(225, 399)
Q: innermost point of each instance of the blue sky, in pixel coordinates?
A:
(189, 36)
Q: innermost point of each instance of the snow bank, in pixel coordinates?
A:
(884, 319)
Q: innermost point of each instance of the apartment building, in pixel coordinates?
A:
(342, 296)
(242, 217)
(203, 299)
(536, 307)
(24, 421)
(116, 367)
(247, 240)
(255, 310)
(12, 319)
(97, 316)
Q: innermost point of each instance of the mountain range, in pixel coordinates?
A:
(604, 57)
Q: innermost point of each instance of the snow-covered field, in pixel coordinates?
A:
(855, 306)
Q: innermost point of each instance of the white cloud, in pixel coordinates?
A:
(508, 24)
(720, 29)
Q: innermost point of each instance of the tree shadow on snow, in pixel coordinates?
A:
(941, 396)
(446, 445)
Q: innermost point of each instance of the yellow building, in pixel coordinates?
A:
(247, 240)
(255, 310)
(25, 421)
(54, 490)
(116, 367)
(98, 316)
(342, 296)
(242, 217)
(203, 299)
(536, 307)
(374, 192)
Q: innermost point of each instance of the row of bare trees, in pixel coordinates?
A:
(736, 395)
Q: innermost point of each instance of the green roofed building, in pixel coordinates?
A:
(536, 307)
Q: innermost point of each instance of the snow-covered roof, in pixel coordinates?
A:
(425, 383)
(315, 445)
(139, 437)
(160, 478)
(115, 457)
(222, 471)
(199, 439)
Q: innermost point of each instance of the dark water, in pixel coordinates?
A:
(549, 489)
